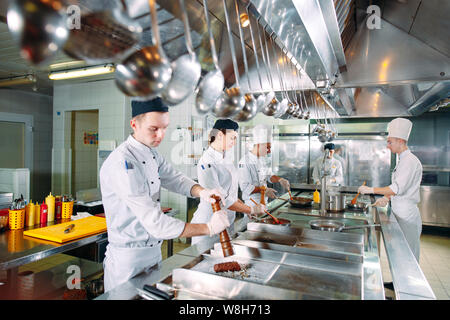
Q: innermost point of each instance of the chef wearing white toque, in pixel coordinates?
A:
(403, 193)
(254, 172)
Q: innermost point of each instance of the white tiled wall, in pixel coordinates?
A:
(113, 114)
(40, 108)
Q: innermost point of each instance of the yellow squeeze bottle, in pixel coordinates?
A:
(50, 201)
(29, 215)
(37, 213)
(316, 196)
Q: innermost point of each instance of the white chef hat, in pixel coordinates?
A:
(399, 128)
(261, 134)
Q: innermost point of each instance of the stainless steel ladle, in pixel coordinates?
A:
(250, 108)
(146, 72)
(186, 70)
(38, 28)
(232, 100)
(211, 86)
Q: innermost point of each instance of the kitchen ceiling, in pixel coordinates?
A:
(354, 69)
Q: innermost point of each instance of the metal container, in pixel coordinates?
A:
(335, 202)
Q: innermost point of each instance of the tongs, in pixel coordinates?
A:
(275, 219)
(152, 293)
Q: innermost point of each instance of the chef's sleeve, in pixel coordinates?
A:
(208, 178)
(403, 179)
(130, 185)
(172, 179)
(339, 174)
(245, 180)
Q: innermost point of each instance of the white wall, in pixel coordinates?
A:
(39, 107)
(114, 113)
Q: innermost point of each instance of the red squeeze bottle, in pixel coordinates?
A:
(58, 209)
(227, 249)
(44, 212)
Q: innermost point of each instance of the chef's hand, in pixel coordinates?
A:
(257, 210)
(365, 189)
(381, 202)
(285, 184)
(218, 222)
(271, 193)
(206, 194)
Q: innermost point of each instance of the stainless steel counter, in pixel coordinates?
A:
(408, 279)
(291, 262)
(17, 249)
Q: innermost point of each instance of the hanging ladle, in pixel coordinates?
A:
(211, 86)
(284, 103)
(186, 70)
(146, 72)
(273, 105)
(250, 108)
(261, 99)
(270, 95)
(231, 101)
(38, 27)
(104, 36)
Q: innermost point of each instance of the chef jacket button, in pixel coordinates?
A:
(153, 157)
(157, 200)
(151, 182)
(143, 162)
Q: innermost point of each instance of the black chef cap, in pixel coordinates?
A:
(140, 107)
(329, 146)
(226, 124)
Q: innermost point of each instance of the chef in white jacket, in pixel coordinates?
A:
(404, 191)
(130, 181)
(254, 171)
(332, 166)
(216, 170)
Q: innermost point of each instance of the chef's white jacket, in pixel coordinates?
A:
(131, 179)
(216, 171)
(333, 166)
(406, 179)
(253, 172)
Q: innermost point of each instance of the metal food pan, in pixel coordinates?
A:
(313, 282)
(307, 233)
(354, 268)
(301, 242)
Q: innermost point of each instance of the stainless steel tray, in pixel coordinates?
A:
(313, 283)
(301, 242)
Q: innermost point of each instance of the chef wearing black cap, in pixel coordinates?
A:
(130, 180)
(216, 170)
(332, 166)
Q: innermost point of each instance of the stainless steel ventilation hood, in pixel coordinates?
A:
(382, 72)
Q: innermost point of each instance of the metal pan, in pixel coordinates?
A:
(283, 222)
(300, 202)
(360, 206)
(335, 226)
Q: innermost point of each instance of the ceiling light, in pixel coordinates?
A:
(18, 80)
(83, 72)
(245, 21)
(67, 64)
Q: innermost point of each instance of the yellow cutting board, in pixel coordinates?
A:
(83, 227)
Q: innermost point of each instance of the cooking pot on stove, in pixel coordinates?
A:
(335, 202)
